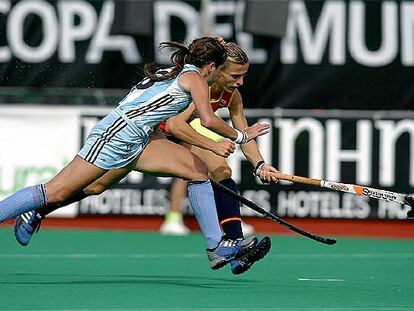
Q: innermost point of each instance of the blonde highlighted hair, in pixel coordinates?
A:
(235, 54)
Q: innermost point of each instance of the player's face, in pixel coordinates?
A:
(232, 75)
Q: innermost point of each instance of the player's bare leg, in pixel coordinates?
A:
(28, 223)
(72, 179)
(162, 157)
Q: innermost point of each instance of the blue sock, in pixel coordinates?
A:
(201, 198)
(228, 210)
(22, 201)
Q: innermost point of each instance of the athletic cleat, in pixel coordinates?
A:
(25, 225)
(224, 252)
(247, 259)
(247, 246)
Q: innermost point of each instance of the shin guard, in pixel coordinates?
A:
(22, 201)
(201, 198)
(228, 210)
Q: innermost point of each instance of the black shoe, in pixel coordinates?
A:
(257, 252)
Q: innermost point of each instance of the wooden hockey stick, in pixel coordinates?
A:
(378, 194)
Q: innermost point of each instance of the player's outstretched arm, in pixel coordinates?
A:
(178, 127)
(199, 91)
(250, 150)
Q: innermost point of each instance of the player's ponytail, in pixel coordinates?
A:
(199, 53)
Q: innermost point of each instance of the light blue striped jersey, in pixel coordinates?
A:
(122, 135)
(151, 102)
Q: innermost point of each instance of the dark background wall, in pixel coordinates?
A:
(304, 54)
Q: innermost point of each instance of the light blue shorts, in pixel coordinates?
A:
(114, 142)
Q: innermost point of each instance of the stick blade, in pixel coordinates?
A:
(330, 241)
(321, 239)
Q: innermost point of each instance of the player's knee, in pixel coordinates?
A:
(226, 173)
(222, 173)
(198, 171)
(199, 174)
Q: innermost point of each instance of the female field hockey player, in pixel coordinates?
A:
(127, 139)
(223, 94)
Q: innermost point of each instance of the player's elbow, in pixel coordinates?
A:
(207, 122)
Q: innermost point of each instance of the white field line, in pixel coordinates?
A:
(201, 255)
(321, 280)
(238, 309)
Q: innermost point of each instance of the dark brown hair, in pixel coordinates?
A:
(199, 53)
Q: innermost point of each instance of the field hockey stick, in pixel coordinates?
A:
(273, 217)
(378, 194)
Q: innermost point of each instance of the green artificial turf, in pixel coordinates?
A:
(109, 270)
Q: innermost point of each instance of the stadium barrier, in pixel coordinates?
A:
(371, 148)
